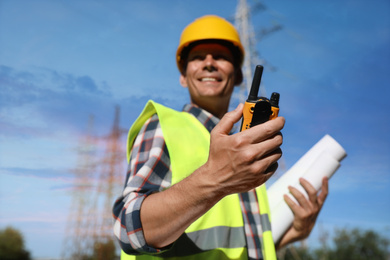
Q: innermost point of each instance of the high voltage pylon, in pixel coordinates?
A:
(249, 35)
(79, 229)
(111, 174)
(95, 181)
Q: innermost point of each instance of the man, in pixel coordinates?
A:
(199, 195)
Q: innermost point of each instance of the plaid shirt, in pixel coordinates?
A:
(149, 171)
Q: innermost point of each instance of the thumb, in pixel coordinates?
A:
(228, 120)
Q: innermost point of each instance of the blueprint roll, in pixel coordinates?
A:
(324, 166)
(326, 145)
(322, 160)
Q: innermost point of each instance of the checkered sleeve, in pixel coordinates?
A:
(148, 172)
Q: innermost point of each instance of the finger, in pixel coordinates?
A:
(269, 146)
(311, 191)
(228, 120)
(300, 197)
(267, 163)
(262, 176)
(291, 204)
(324, 191)
(264, 131)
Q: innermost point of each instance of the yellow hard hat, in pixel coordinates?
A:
(209, 27)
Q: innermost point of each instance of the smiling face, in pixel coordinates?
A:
(210, 77)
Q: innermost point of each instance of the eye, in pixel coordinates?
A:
(222, 57)
(196, 57)
(219, 57)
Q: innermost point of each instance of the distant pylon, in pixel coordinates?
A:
(111, 178)
(96, 179)
(79, 227)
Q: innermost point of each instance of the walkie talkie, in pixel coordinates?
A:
(258, 110)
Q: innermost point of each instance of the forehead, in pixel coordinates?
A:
(212, 48)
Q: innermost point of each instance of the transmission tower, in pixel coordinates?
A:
(249, 38)
(79, 227)
(96, 179)
(247, 35)
(110, 179)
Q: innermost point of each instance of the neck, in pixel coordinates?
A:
(218, 109)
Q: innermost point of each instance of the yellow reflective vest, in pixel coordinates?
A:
(219, 233)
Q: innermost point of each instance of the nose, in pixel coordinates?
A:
(209, 63)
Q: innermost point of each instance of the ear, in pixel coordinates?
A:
(183, 81)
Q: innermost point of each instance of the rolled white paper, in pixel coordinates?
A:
(327, 143)
(320, 161)
(324, 166)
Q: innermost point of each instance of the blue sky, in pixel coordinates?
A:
(62, 61)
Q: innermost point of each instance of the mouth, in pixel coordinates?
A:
(209, 79)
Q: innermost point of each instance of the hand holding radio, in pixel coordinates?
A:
(243, 161)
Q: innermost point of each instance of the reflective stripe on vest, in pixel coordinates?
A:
(219, 232)
(268, 246)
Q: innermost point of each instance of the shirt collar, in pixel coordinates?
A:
(207, 119)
